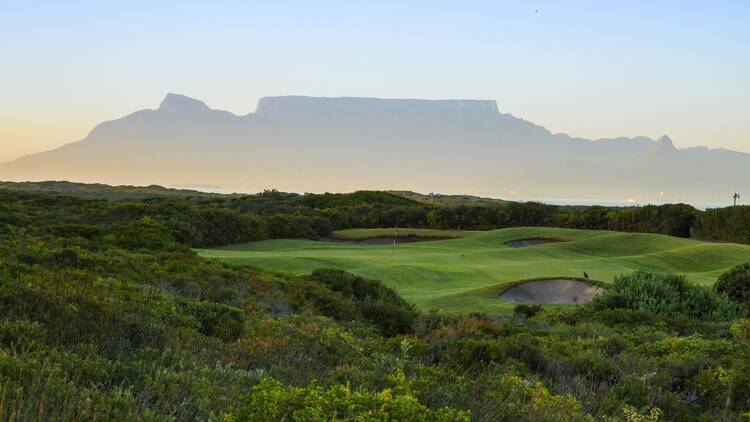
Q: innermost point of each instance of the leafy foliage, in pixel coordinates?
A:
(527, 311)
(270, 401)
(106, 314)
(201, 220)
(374, 301)
(731, 224)
(666, 294)
(735, 283)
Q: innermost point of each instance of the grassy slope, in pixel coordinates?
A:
(459, 274)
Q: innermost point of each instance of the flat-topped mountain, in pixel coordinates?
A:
(297, 143)
(306, 106)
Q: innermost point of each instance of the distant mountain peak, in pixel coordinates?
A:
(665, 142)
(177, 103)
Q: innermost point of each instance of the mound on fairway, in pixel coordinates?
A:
(532, 241)
(552, 292)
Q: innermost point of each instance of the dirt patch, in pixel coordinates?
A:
(532, 241)
(553, 292)
(384, 240)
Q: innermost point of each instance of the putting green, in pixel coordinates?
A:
(466, 274)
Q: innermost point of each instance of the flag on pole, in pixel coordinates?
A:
(395, 235)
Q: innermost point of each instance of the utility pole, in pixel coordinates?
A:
(736, 197)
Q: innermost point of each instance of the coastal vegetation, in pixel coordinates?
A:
(107, 313)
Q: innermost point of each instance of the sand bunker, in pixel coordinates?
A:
(531, 241)
(553, 292)
(384, 240)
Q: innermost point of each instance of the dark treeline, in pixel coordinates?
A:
(210, 221)
(730, 224)
(305, 214)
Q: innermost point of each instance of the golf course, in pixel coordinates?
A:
(466, 271)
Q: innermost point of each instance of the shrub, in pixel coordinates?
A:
(325, 301)
(735, 283)
(518, 399)
(217, 320)
(730, 224)
(645, 414)
(712, 384)
(282, 226)
(527, 311)
(668, 295)
(145, 233)
(377, 303)
(21, 335)
(213, 227)
(270, 401)
(391, 318)
(66, 258)
(76, 230)
(741, 330)
(433, 320)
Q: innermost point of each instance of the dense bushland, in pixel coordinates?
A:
(315, 215)
(106, 314)
(203, 221)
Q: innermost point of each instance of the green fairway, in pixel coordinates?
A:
(464, 274)
(359, 234)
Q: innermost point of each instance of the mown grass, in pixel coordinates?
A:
(362, 234)
(458, 274)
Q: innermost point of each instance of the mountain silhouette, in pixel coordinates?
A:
(315, 144)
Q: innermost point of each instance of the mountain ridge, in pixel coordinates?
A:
(302, 143)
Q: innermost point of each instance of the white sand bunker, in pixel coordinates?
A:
(531, 241)
(553, 292)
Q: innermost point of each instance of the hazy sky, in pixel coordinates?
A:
(590, 69)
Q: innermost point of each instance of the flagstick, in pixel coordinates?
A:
(395, 235)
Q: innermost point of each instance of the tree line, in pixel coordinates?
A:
(212, 221)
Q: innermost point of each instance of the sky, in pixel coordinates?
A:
(591, 69)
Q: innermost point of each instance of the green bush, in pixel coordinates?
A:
(433, 320)
(730, 224)
(22, 335)
(271, 401)
(76, 230)
(217, 320)
(669, 295)
(66, 258)
(518, 399)
(527, 311)
(144, 234)
(214, 227)
(735, 283)
(325, 301)
(283, 226)
(377, 303)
